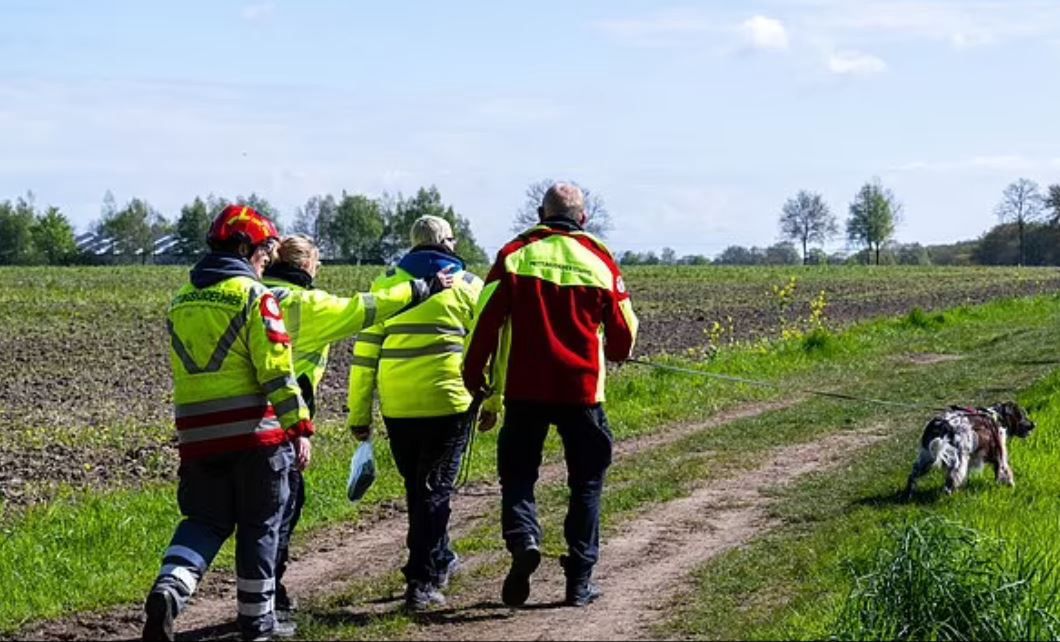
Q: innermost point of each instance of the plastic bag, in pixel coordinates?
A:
(362, 471)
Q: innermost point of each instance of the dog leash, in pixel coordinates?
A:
(774, 386)
(472, 419)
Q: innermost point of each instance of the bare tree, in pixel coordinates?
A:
(806, 218)
(599, 219)
(1021, 203)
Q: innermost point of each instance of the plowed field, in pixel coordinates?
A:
(86, 391)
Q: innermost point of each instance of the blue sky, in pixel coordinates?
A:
(694, 121)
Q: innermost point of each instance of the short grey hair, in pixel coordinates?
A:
(430, 230)
(563, 200)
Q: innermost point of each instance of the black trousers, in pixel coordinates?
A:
(292, 512)
(427, 453)
(292, 508)
(586, 447)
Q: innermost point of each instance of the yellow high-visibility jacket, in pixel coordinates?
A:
(316, 319)
(234, 385)
(415, 356)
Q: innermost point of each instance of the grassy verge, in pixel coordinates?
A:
(847, 563)
(91, 551)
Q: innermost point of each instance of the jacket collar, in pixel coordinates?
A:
(424, 261)
(562, 224)
(220, 266)
(290, 273)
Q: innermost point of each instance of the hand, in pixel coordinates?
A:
(303, 452)
(443, 280)
(361, 433)
(486, 421)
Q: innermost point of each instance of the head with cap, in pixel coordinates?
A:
(432, 230)
(563, 201)
(242, 230)
(298, 250)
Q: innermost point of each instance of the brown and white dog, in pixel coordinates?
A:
(964, 438)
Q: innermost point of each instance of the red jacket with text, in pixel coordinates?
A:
(553, 309)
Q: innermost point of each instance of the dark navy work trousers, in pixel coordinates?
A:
(427, 453)
(242, 492)
(587, 449)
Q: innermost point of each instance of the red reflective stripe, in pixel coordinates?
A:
(226, 417)
(277, 337)
(232, 444)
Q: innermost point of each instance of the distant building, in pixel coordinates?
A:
(104, 249)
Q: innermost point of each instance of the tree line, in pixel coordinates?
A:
(1028, 234)
(350, 228)
(356, 228)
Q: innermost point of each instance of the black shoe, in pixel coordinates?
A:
(280, 630)
(422, 596)
(516, 587)
(285, 605)
(452, 569)
(582, 592)
(161, 608)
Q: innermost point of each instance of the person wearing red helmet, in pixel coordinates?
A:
(241, 425)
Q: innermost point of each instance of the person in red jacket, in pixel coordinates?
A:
(553, 309)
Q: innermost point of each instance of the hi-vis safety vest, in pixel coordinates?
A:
(234, 387)
(415, 355)
(316, 319)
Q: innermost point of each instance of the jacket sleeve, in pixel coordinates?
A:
(362, 376)
(481, 348)
(270, 352)
(327, 318)
(620, 323)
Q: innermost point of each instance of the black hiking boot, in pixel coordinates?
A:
(581, 591)
(280, 631)
(161, 608)
(421, 596)
(516, 587)
(452, 569)
(285, 605)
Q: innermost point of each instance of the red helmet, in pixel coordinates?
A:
(242, 224)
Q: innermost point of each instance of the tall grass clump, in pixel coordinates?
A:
(917, 318)
(938, 580)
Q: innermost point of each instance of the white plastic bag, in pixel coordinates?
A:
(362, 471)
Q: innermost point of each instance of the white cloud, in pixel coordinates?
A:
(964, 24)
(765, 33)
(258, 11)
(855, 63)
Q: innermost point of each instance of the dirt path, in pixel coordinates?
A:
(340, 555)
(647, 565)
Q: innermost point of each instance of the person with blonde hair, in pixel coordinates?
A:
(415, 357)
(316, 319)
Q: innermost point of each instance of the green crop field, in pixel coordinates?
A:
(87, 463)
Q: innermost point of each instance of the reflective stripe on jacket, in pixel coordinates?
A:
(415, 355)
(316, 319)
(553, 309)
(234, 387)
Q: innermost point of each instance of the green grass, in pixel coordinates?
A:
(107, 544)
(667, 472)
(802, 581)
(936, 579)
